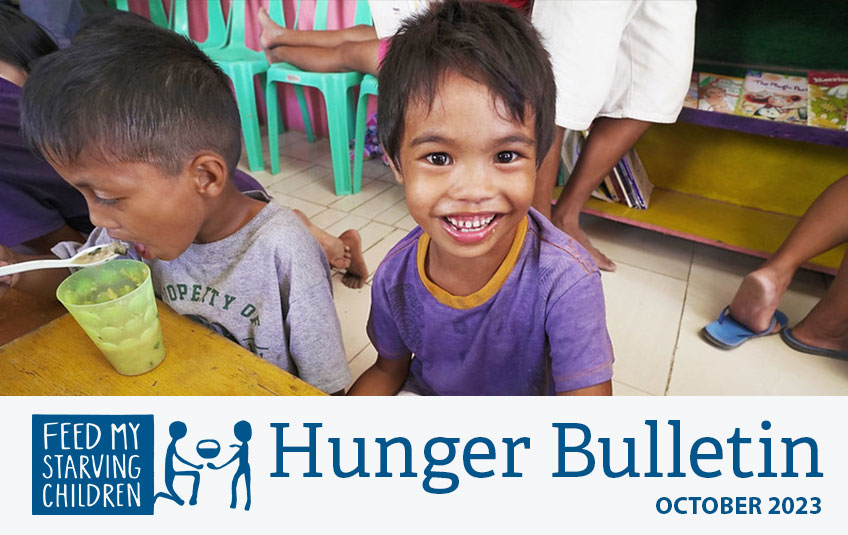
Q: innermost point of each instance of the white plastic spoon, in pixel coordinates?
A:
(91, 256)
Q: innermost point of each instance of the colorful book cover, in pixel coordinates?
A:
(691, 100)
(718, 93)
(774, 97)
(827, 105)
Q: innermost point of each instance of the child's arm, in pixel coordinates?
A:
(384, 378)
(581, 351)
(40, 282)
(314, 334)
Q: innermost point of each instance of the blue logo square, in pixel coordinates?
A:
(92, 464)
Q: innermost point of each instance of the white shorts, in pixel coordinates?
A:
(388, 14)
(618, 58)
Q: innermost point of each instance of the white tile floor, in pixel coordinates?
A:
(664, 291)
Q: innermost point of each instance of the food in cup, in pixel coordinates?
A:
(115, 306)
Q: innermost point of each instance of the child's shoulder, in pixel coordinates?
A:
(558, 253)
(279, 225)
(275, 231)
(401, 256)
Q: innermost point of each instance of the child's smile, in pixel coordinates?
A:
(469, 170)
(470, 228)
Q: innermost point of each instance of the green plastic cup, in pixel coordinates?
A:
(115, 306)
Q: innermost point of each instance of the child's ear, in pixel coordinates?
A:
(398, 174)
(208, 172)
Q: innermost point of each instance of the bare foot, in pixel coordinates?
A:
(757, 298)
(357, 271)
(271, 33)
(817, 334)
(574, 230)
(337, 253)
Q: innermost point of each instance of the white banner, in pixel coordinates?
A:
(421, 465)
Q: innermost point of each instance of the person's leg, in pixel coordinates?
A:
(356, 271)
(823, 226)
(344, 252)
(273, 35)
(546, 175)
(826, 326)
(608, 140)
(334, 248)
(359, 56)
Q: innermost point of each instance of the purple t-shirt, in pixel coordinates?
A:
(537, 327)
(34, 200)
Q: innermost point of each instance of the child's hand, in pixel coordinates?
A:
(9, 281)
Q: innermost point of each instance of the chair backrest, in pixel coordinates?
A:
(236, 23)
(157, 11)
(217, 35)
(362, 15)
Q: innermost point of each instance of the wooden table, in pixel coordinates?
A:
(59, 359)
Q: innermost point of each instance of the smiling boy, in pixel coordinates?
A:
(485, 296)
(141, 122)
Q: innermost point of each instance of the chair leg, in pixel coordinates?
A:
(359, 144)
(272, 112)
(246, 100)
(337, 124)
(304, 113)
(351, 116)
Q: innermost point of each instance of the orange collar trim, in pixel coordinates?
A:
(466, 302)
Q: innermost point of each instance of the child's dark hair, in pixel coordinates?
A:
(22, 41)
(130, 92)
(489, 43)
(109, 20)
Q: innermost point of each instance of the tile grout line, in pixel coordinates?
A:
(679, 324)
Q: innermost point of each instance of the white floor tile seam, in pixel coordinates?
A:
(679, 326)
(633, 387)
(644, 268)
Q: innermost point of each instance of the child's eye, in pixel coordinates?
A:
(105, 202)
(506, 156)
(438, 158)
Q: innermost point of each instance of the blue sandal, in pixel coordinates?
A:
(790, 340)
(727, 333)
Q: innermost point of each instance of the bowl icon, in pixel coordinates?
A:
(208, 448)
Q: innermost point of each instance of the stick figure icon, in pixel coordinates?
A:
(243, 432)
(177, 431)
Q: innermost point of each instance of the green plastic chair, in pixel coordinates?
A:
(276, 13)
(335, 87)
(217, 36)
(157, 10)
(241, 64)
(367, 87)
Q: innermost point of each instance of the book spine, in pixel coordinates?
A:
(628, 173)
(640, 175)
(608, 182)
(625, 186)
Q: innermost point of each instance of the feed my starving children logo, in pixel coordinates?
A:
(105, 465)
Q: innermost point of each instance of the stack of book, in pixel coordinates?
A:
(627, 183)
(820, 99)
